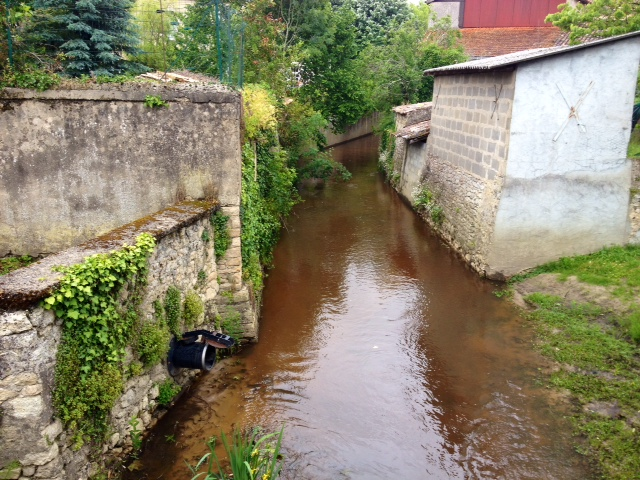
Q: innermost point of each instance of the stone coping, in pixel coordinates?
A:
(415, 131)
(405, 109)
(25, 286)
(129, 92)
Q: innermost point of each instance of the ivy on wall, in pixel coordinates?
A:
(221, 236)
(97, 326)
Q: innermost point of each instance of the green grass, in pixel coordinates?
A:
(9, 264)
(634, 144)
(616, 266)
(598, 364)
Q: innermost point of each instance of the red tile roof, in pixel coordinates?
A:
(491, 42)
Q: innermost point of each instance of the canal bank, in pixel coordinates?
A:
(381, 353)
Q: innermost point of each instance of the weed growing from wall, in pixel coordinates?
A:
(424, 199)
(221, 236)
(153, 343)
(173, 310)
(231, 323)
(136, 436)
(167, 391)
(193, 310)
(89, 375)
(153, 101)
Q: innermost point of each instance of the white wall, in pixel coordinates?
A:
(569, 196)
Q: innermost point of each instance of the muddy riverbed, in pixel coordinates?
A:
(380, 353)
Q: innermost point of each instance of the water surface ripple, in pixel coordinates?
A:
(382, 354)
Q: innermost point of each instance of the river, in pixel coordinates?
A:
(382, 355)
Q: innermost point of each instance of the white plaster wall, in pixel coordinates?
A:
(570, 196)
(412, 169)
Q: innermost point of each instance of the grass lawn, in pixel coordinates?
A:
(597, 353)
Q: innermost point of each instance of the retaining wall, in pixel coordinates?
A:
(362, 128)
(30, 335)
(75, 164)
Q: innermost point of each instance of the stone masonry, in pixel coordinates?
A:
(29, 336)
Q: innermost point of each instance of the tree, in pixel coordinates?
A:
(394, 72)
(93, 35)
(601, 18)
(330, 80)
(375, 19)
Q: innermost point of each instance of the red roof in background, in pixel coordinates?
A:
(508, 13)
(491, 42)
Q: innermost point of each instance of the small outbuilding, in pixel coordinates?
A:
(527, 154)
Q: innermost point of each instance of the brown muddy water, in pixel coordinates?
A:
(380, 353)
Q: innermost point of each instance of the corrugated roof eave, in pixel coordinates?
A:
(512, 59)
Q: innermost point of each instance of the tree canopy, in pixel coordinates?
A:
(375, 18)
(601, 18)
(93, 35)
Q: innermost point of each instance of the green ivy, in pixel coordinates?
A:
(266, 199)
(192, 310)
(96, 330)
(173, 310)
(221, 237)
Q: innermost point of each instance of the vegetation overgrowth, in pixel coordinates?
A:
(597, 352)
(9, 264)
(250, 455)
(90, 363)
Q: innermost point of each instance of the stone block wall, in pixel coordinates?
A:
(464, 161)
(471, 120)
(30, 335)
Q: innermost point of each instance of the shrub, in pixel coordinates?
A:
(193, 310)
(153, 343)
(167, 391)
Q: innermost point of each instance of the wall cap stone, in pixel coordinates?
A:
(28, 285)
(130, 92)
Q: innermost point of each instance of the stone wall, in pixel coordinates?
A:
(29, 337)
(75, 164)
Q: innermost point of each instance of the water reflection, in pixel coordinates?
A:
(382, 354)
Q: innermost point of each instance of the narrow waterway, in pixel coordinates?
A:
(383, 356)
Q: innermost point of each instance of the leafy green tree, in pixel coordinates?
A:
(330, 80)
(93, 35)
(601, 18)
(394, 72)
(376, 19)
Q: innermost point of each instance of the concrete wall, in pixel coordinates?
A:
(29, 338)
(569, 196)
(76, 164)
(453, 9)
(363, 127)
(516, 189)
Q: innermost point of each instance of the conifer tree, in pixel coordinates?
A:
(93, 35)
